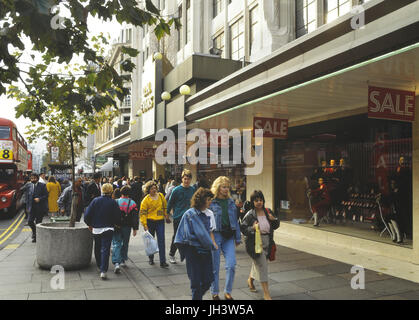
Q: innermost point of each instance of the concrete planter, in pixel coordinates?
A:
(58, 244)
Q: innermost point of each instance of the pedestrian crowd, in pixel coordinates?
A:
(206, 223)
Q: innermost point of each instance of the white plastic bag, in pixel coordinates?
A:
(150, 244)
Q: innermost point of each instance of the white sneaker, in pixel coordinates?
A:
(172, 260)
(103, 275)
(117, 269)
(123, 265)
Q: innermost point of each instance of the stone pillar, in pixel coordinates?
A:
(415, 186)
(264, 181)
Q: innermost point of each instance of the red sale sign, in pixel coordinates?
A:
(272, 127)
(384, 103)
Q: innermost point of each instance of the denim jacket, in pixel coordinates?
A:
(232, 214)
(192, 231)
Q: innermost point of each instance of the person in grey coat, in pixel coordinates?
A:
(64, 201)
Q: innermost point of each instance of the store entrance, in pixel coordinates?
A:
(351, 175)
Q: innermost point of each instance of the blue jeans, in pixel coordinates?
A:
(229, 252)
(158, 227)
(120, 242)
(199, 268)
(103, 249)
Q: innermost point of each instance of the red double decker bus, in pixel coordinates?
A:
(13, 165)
(29, 169)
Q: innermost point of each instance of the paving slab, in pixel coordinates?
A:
(20, 288)
(369, 276)
(21, 296)
(58, 295)
(162, 281)
(391, 286)
(321, 283)
(285, 289)
(298, 296)
(294, 275)
(12, 279)
(69, 285)
(174, 291)
(113, 294)
(332, 269)
(343, 293)
(412, 295)
(112, 283)
(179, 279)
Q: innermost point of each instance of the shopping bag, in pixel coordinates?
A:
(258, 240)
(150, 244)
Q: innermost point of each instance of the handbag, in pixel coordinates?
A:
(272, 252)
(226, 231)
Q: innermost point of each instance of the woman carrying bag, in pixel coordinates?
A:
(153, 214)
(227, 235)
(262, 219)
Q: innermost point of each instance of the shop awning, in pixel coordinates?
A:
(108, 166)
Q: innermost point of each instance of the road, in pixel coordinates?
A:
(10, 228)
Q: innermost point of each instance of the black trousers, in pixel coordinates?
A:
(173, 247)
(35, 216)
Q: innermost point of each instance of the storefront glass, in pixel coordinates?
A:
(358, 159)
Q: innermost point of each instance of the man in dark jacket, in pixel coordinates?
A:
(36, 203)
(93, 189)
(137, 191)
(102, 216)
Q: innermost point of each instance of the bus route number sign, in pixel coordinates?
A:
(6, 154)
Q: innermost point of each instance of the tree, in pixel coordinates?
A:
(70, 104)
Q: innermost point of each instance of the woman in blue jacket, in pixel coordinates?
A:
(195, 244)
(102, 216)
(227, 235)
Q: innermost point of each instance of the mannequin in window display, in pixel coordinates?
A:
(320, 201)
(395, 218)
(319, 172)
(403, 180)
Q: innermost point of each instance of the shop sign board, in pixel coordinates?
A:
(272, 127)
(147, 153)
(218, 139)
(391, 104)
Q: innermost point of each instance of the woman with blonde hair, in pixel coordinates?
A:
(227, 235)
(153, 212)
(54, 191)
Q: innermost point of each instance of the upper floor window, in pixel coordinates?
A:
(218, 6)
(179, 39)
(336, 8)
(253, 26)
(306, 13)
(237, 39)
(218, 43)
(188, 21)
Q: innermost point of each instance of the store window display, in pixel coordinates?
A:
(356, 158)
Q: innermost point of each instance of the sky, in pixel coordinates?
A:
(7, 106)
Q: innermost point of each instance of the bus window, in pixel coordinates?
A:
(4, 132)
(14, 134)
(6, 174)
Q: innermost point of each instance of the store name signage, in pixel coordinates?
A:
(148, 98)
(147, 153)
(384, 103)
(272, 127)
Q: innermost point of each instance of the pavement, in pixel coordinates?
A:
(295, 275)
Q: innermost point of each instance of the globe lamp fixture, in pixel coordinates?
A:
(166, 96)
(185, 90)
(157, 56)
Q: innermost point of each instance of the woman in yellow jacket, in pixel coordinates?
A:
(153, 212)
(54, 191)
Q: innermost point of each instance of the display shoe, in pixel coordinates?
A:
(316, 220)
